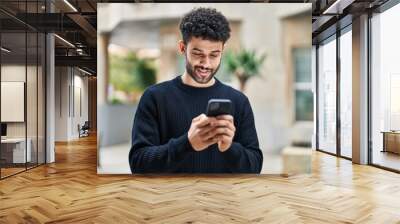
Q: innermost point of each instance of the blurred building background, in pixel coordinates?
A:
(138, 47)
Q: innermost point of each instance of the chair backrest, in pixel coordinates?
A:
(86, 124)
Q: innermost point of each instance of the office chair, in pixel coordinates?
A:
(84, 130)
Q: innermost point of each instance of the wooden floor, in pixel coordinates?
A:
(387, 159)
(70, 191)
(10, 171)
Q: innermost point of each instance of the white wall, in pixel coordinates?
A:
(15, 73)
(33, 126)
(81, 94)
(61, 103)
(70, 83)
(12, 100)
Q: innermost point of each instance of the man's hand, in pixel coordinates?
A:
(199, 132)
(224, 131)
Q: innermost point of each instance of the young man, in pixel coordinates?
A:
(171, 133)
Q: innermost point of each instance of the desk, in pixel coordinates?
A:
(391, 141)
(15, 148)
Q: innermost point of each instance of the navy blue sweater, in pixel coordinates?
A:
(159, 136)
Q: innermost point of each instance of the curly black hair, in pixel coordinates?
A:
(206, 23)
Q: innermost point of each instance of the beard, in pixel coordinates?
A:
(194, 71)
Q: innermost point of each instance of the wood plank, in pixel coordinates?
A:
(70, 191)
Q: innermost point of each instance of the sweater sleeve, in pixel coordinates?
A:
(244, 155)
(147, 154)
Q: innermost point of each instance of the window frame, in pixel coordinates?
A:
(380, 9)
(333, 37)
(301, 86)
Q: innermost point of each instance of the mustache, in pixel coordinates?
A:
(204, 68)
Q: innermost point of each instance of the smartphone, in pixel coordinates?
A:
(217, 107)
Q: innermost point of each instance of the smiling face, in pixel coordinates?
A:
(203, 58)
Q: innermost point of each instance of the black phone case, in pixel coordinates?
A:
(217, 107)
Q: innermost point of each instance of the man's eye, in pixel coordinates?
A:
(213, 56)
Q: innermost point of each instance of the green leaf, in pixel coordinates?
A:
(245, 62)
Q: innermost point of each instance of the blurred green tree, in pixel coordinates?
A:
(244, 64)
(130, 75)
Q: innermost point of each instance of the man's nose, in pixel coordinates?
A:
(205, 62)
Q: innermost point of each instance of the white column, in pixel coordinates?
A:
(50, 100)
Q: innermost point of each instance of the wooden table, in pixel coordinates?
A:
(391, 141)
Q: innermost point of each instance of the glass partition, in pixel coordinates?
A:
(346, 93)
(13, 105)
(41, 111)
(22, 90)
(31, 99)
(385, 89)
(327, 96)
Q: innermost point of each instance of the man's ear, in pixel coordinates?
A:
(181, 47)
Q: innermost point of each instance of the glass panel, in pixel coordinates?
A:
(31, 98)
(303, 93)
(41, 99)
(13, 87)
(327, 97)
(385, 89)
(22, 87)
(302, 64)
(304, 105)
(31, 86)
(346, 94)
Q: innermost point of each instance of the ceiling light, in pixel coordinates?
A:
(64, 40)
(70, 5)
(337, 7)
(84, 71)
(5, 50)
